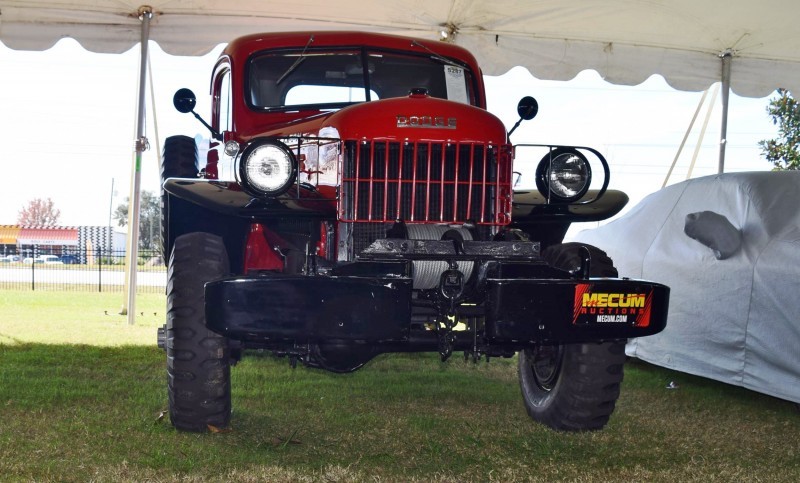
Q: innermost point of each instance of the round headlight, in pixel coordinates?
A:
(268, 168)
(564, 175)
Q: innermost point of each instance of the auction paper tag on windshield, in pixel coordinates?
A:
(456, 84)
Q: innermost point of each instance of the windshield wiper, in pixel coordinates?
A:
(436, 56)
(297, 62)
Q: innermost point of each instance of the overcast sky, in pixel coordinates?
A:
(67, 124)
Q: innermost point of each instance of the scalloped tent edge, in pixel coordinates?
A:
(625, 41)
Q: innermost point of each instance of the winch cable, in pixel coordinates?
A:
(427, 273)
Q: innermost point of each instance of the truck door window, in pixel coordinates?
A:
(225, 108)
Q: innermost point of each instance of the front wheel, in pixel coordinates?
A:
(198, 360)
(573, 387)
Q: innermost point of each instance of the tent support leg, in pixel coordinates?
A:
(726, 57)
(685, 137)
(132, 243)
(702, 131)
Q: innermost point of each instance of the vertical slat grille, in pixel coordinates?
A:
(423, 182)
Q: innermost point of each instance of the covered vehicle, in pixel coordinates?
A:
(729, 246)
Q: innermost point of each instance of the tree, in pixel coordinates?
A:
(39, 212)
(149, 220)
(784, 151)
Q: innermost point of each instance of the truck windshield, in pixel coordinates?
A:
(331, 79)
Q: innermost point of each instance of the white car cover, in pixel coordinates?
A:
(737, 319)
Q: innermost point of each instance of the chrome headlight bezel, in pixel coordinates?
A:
(553, 168)
(283, 161)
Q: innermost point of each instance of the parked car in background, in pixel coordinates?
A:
(70, 259)
(10, 259)
(44, 259)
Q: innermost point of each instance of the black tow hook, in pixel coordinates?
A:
(451, 284)
(451, 288)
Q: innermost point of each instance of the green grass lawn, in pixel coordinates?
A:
(82, 397)
(92, 318)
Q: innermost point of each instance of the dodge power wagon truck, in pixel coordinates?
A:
(358, 199)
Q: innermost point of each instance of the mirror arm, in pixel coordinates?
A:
(515, 127)
(214, 133)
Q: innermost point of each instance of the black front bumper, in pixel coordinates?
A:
(513, 312)
(307, 309)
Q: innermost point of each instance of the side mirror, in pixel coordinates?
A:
(527, 108)
(184, 100)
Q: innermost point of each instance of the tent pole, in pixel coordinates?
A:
(155, 117)
(703, 131)
(132, 252)
(726, 57)
(685, 137)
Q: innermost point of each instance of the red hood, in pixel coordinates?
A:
(417, 117)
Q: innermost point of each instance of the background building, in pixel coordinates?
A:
(82, 241)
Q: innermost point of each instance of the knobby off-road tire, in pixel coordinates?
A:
(573, 387)
(179, 160)
(198, 364)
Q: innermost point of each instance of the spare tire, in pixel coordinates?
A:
(179, 160)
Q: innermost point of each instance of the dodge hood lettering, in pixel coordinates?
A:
(436, 122)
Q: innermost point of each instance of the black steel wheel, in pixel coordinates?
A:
(546, 365)
(198, 360)
(573, 387)
(178, 160)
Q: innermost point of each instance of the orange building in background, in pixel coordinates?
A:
(8, 234)
(55, 240)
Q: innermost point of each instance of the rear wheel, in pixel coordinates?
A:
(573, 387)
(198, 364)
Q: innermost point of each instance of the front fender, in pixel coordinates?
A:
(228, 198)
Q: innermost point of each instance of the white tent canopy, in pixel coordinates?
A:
(626, 41)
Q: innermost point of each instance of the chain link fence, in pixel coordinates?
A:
(82, 270)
